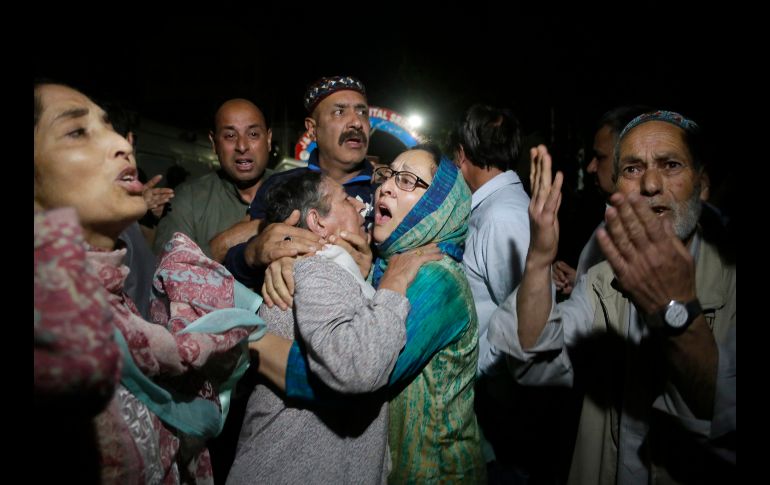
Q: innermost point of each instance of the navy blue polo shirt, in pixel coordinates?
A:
(235, 260)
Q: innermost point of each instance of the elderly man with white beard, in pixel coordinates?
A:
(649, 334)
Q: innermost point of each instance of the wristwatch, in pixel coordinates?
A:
(677, 316)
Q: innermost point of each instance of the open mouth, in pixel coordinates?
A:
(382, 215)
(244, 164)
(659, 209)
(354, 139)
(130, 182)
(354, 142)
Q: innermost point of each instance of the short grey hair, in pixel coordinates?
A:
(302, 192)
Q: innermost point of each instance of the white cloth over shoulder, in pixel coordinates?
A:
(343, 258)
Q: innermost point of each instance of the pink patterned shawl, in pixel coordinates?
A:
(188, 285)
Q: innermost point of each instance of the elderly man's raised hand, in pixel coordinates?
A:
(650, 261)
(543, 208)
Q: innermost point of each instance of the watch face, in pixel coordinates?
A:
(676, 315)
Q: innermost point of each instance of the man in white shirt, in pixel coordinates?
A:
(650, 333)
(486, 144)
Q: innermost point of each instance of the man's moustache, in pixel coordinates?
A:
(352, 134)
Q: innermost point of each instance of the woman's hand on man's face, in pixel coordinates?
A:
(358, 247)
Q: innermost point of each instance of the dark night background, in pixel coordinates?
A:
(177, 69)
(559, 74)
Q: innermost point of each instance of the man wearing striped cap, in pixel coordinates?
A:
(649, 334)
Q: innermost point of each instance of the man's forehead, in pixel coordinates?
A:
(605, 133)
(345, 97)
(653, 134)
(254, 116)
(252, 125)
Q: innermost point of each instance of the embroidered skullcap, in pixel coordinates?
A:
(667, 116)
(328, 85)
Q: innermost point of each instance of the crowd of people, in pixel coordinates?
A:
(350, 323)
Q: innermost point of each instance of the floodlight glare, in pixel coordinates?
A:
(415, 121)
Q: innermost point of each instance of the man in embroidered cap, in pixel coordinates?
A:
(338, 120)
(649, 334)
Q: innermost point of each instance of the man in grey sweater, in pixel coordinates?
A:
(353, 336)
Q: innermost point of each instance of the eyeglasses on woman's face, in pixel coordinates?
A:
(404, 180)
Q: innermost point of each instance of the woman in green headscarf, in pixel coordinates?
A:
(433, 432)
(434, 435)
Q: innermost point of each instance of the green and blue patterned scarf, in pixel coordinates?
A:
(439, 313)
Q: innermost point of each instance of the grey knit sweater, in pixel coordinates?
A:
(352, 345)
